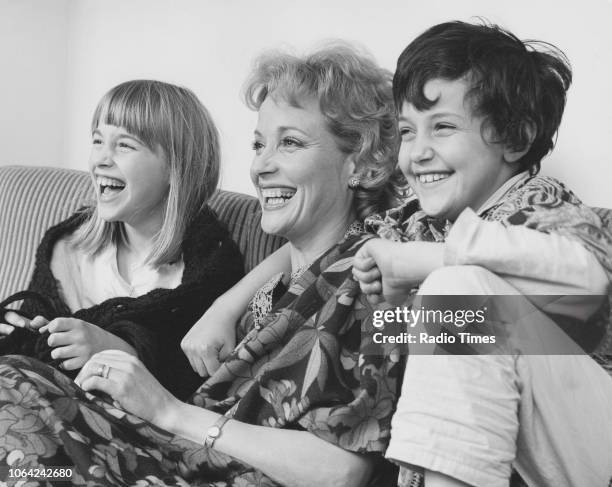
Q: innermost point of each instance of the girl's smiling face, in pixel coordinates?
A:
(299, 172)
(444, 153)
(131, 180)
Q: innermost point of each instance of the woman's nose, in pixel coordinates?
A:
(264, 163)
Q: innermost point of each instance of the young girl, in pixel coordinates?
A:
(134, 270)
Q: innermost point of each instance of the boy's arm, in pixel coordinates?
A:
(534, 262)
(213, 336)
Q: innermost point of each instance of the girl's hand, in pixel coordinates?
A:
(210, 340)
(75, 341)
(15, 320)
(124, 378)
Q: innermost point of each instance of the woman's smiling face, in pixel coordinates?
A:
(299, 172)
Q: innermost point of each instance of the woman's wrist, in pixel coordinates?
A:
(182, 419)
(171, 417)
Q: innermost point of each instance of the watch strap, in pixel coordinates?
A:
(215, 431)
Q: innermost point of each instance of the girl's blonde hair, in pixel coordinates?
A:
(172, 118)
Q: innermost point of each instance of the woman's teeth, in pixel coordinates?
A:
(432, 177)
(276, 196)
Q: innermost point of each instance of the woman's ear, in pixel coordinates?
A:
(514, 154)
(350, 167)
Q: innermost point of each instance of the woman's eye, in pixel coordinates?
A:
(96, 141)
(291, 143)
(257, 146)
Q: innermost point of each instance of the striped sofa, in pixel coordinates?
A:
(34, 198)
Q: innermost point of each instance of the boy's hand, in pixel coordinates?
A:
(394, 268)
(209, 341)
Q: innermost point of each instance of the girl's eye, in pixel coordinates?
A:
(125, 146)
(96, 141)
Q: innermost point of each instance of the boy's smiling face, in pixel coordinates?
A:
(444, 156)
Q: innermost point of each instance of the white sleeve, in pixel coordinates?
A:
(533, 262)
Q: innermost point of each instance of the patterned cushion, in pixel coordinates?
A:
(34, 198)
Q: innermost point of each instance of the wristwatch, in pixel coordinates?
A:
(214, 431)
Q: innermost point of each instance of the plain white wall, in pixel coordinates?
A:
(208, 46)
(33, 49)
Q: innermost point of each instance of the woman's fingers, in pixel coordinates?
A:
(116, 359)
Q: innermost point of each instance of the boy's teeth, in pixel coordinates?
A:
(431, 177)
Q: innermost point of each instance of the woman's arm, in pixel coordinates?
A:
(213, 336)
(287, 456)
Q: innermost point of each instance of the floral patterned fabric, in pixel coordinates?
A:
(537, 202)
(302, 368)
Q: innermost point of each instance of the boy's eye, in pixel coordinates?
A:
(444, 127)
(406, 133)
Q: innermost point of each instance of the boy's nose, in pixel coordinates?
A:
(421, 149)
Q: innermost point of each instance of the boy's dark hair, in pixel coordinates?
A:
(520, 91)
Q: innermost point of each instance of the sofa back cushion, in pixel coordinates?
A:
(32, 199)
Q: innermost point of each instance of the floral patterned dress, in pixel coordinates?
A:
(300, 366)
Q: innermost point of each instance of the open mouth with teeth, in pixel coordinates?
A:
(109, 187)
(432, 177)
(276, 197)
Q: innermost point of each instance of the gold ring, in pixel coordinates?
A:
(105, 371)
(100, 370)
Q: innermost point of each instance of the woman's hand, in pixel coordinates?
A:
(124, 378)
(75, 341)
(210, 340)
(15, 320)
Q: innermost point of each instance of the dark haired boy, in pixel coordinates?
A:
(478, 110)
